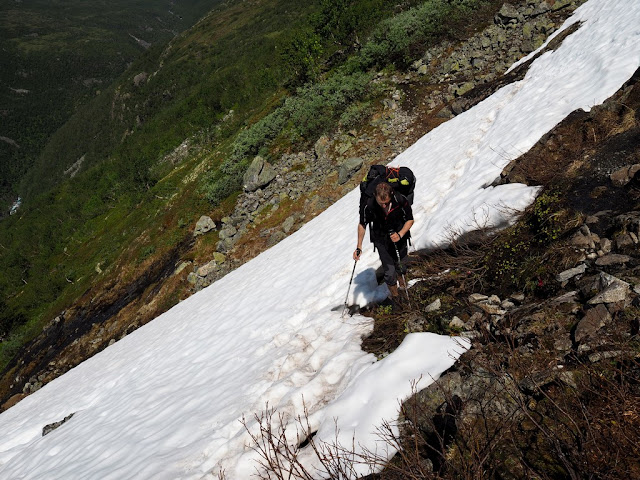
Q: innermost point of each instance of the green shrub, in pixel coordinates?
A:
(516, 259)
(146, 252)
(225, 181)
(546, 219)
(301, 55)
(249, 141)
(345, 22)
(314, 109)
(355, 114)
(9, 319)
(400, 39)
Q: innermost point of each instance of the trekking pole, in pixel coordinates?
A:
(400, 268)
(349, 289)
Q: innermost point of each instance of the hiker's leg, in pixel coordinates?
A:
(391, 277)
(399, 265)
(388, 264)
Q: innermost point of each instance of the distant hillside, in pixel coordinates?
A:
(228, 60)
(57, 56)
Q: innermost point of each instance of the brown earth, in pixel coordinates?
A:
(550, 386)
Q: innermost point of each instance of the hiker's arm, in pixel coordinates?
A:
(405, 228)
(361, 230)
(403, 231)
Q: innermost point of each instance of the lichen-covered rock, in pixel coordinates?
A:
(570, 273)
(207, 268)
(477, 297)
(433, 306)
(348, 168)
(508, 14)
(611, 289)
(612, 259)
(276, 238)
(560, 4)
(624, 175)
(288, 224)
(204, 225)
(456, 323)
(321, 147)
(47, 429)
(140, 78)
(537, 380)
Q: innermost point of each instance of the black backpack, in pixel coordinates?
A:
(401, 179)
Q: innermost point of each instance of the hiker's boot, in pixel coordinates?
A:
(396, 299)
(401, 284)
(393, 289)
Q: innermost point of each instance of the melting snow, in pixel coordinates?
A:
(166, 401)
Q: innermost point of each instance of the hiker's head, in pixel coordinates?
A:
(383, 194)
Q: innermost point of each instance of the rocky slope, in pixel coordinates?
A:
(551, 382)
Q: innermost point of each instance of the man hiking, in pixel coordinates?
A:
(390, 217)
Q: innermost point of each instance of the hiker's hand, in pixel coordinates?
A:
(356, 254)
(395, 237)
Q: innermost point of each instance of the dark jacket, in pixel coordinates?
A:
(380, 223)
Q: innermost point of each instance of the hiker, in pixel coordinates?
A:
(390, 217)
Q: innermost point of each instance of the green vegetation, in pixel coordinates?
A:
(343, 94)
(312, 111)
(516, 258)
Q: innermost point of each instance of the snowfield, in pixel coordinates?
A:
(166, 402)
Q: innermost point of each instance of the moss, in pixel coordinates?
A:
(520, 257)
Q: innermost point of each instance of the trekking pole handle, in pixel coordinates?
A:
(392, 233)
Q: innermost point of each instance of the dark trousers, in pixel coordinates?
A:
(389, 259)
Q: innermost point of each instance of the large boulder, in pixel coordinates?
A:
(611, 290)
(204, 225)
(624, 175)
(140, 78)
(594, 319)
(321, 147)
(478, 396)
(259, 175)
(508, 14)
(349, 168)
(570, 273)
(560, 4)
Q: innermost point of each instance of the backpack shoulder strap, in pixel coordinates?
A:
(403, 203)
